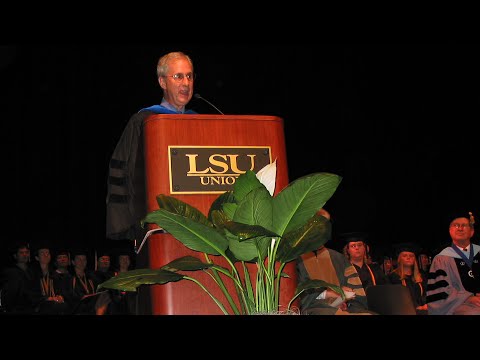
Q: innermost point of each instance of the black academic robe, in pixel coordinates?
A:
(20, 291)
(126, 180)
(418, 291)
(371, 275)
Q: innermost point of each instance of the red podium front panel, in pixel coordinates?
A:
(166, 136)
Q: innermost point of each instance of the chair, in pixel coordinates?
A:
(390, 299)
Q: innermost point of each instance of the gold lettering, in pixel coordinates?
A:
(192, 161)
(230, 180)
(234, 164)
(218, 163)
(215, 180)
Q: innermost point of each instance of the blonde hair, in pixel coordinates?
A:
(417, 276)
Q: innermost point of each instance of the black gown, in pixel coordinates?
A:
(418, 291)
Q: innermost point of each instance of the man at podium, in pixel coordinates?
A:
(125, 188)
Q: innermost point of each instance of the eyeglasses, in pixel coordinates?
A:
(179, 76)
(460, 226)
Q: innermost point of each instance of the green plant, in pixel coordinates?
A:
(246, 225)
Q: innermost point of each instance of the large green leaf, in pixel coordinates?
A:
(131, 280)
(217, 205)
(186, 263)
(309, 237)
(179, 207)
(219, 218)
(247, 241)
(256, 208)
(245, 232)
(229, 209)
(317, 284)
(194, 235)
(246, 183)
(242, 250)
(300, 200)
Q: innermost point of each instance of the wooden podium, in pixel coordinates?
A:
(205, 145)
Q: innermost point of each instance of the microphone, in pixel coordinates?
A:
(197, 96)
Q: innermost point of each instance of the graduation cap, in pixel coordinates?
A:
(79, 251)
(346, 238)
(460, 213)
(409, 247)
(44, 244)
(17, 245)
(61, 251)
(103, 252)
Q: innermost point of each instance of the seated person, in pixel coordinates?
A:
(356, 252)
(408, 274)
(332, 267)
(454, 277)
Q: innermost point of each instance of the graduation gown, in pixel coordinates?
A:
(418, 291)
(330, 266)
(451, 281)
(126, 181)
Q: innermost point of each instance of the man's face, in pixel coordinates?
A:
(177, 88)
(23, 255)
(103, 262)
(460, 230)
(62, 260)
(80, 261)
(43, 256)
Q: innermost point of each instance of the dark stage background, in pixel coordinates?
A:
(396, 121)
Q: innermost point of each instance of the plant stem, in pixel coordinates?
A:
(218, 280)
(279, 278)
(220, 305)
(238, 285)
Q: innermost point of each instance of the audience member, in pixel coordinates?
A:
(332, 267)
(103, 270)
(355, 250)
(123, 302)
(408, 274)
(387, 265)
(424, 262)
(454, 278)
(20, 292)
(62, 277)
(51, 300)
(83, 286)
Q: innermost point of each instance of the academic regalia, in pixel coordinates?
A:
(83, 300)
(454, 276)
(100, 275)
(47, 289)
(126, 183)
(418, 291)
(62, 282)
(330, 266)
(123, 302)
(371, 275)
(20, 291)
(452, 281)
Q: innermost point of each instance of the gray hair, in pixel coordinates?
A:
(162, 65)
